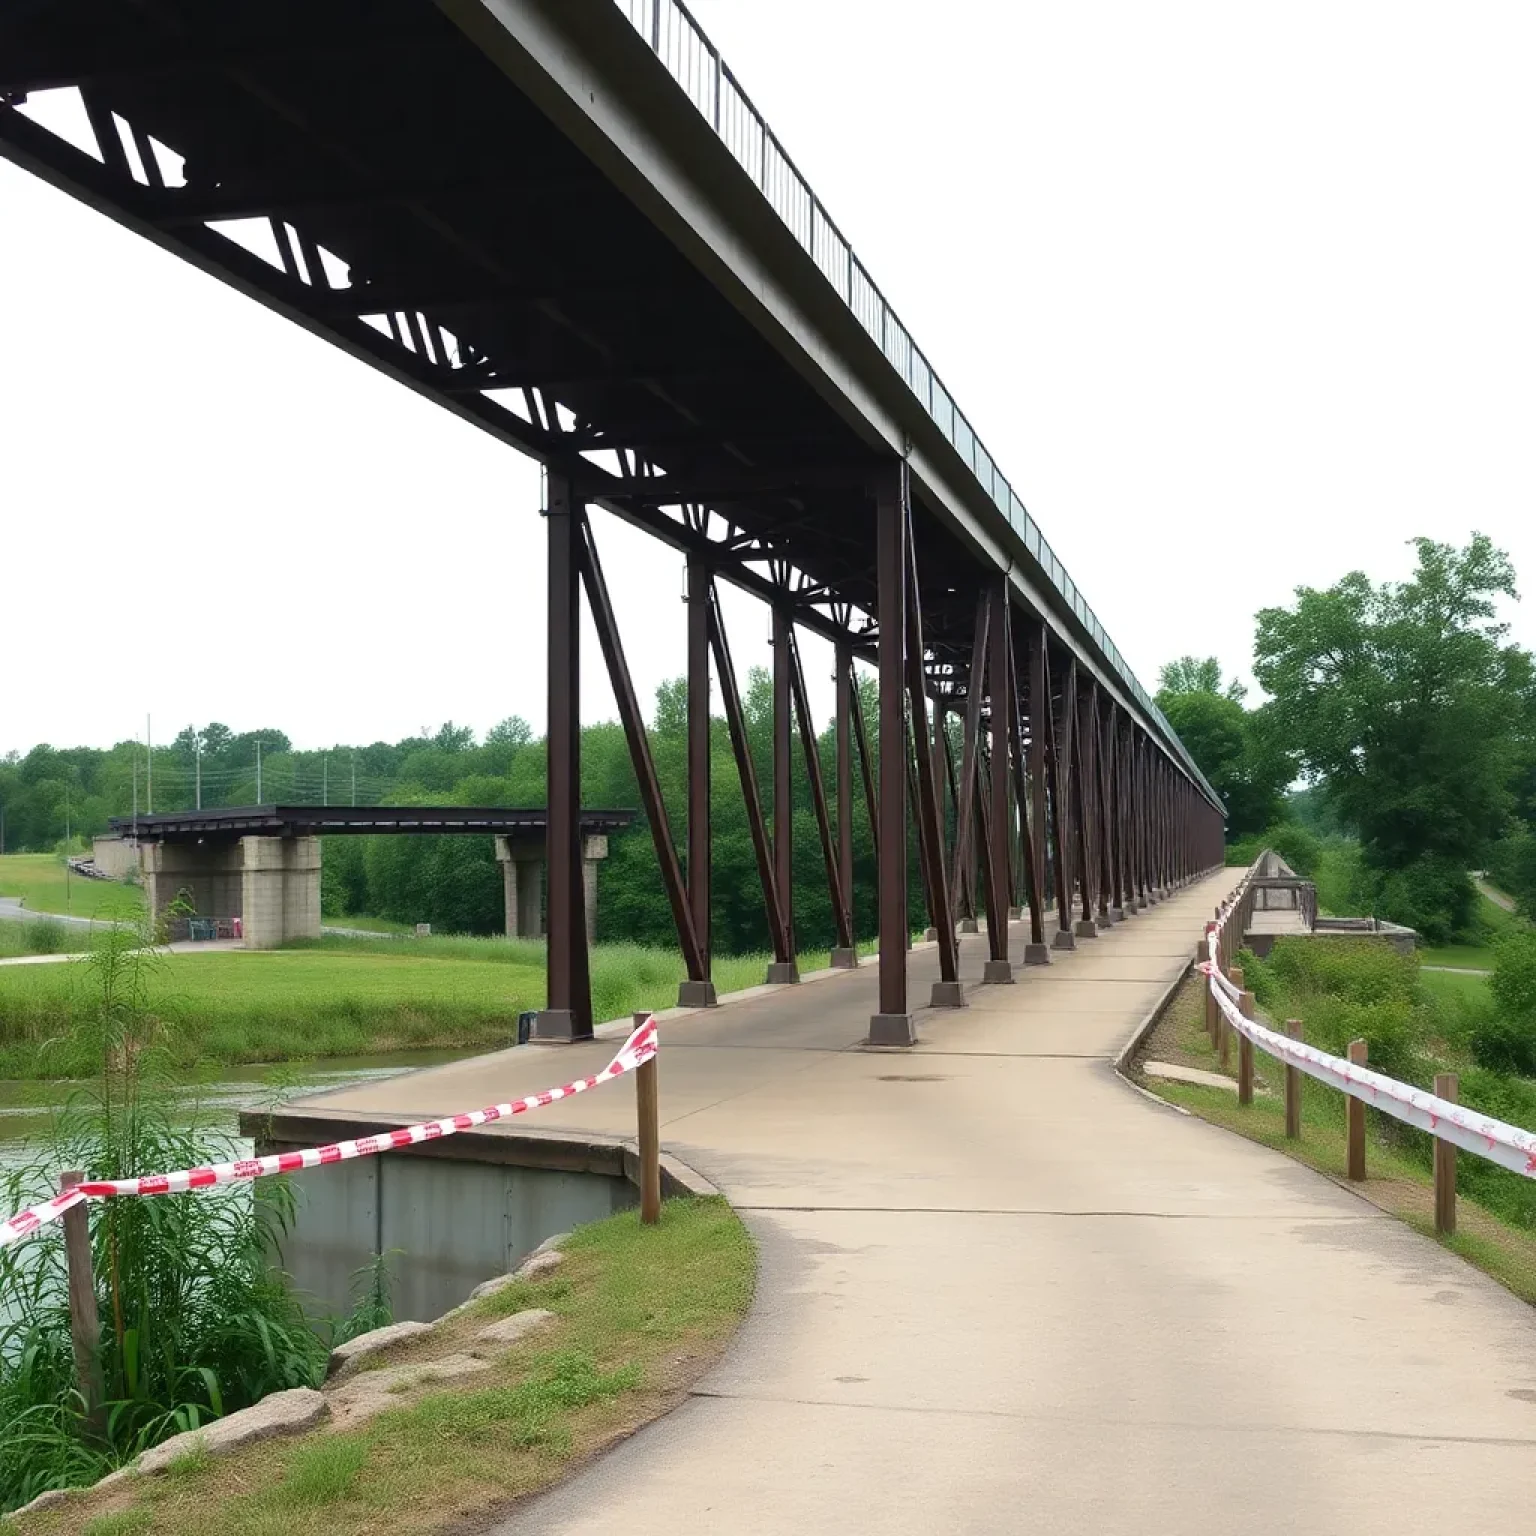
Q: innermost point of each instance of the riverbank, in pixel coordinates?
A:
(631, 1317)
(337, 997)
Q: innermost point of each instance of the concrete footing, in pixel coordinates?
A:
(1064, 939)
(930, 935)
(1117, 914)
(891, 1029)
(1086, 928)
(782, 973)
(1037, 954)
(556, 1026)
(845, 959)
(696, 994)
(947, 994)
(1015, 913)
(969, 925)
(997, 973)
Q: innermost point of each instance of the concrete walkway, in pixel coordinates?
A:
(1003, 1291)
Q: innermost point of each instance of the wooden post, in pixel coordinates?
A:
(1293, 1088)
(1224, 1029)
(1354, 1120)
(1203, 954)
(84, 1325)
(648, 1135)
(1245, 1053)
(1447, 1086)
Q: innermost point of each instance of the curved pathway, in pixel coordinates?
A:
(1001, 1290)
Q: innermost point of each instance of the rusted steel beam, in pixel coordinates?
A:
(965, 801)
(843, 768)
(736, 725)
(700, 596)
(1000, 693)
(567, 1014)
(829, 855)
(1059, 731)
(946, 991)
(892, 1025)
(866, 764)
(640, 757)
(783, 783)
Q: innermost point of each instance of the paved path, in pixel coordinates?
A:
(1003, 1291)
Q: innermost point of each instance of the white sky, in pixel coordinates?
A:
(1239, 297)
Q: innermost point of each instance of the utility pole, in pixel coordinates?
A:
(135, 797)
(149, 769)
(258, 773)
(197, 746)
(354, 775)
(325, 779)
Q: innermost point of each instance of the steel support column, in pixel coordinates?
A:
(567, 1014)
(892, 1025)
(783, 791)
(843, 747)
(1059, 724)
(692, 992)
(998, 968)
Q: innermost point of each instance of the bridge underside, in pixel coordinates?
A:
(380, 173)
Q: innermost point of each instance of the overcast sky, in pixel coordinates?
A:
(1240, 297)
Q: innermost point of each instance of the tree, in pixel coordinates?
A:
(1404, 704)
(1235, 748)
(1197, 674)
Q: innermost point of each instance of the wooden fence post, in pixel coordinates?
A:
(1224, 1029)
(1293, 1088)
(1447, 1086)
(648, 1135)
(1245, 1053)
(84, 1325)
(1203, 955)
(1354, 1119)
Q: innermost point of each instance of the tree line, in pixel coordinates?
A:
(1399, 716)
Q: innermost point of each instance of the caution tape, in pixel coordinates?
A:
(635, 1052)
(1507, 1145)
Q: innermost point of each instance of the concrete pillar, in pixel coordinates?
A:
(209, 873)
(530, 895)
(280, 890)
(594, 850)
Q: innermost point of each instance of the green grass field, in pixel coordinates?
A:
(39, 879)
(1475, 957)
(337, 997)
(367, 924)
(1473, 988)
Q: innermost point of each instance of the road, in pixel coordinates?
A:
(1001, 1290)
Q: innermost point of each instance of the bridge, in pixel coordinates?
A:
(999, 1290)
(564, 221)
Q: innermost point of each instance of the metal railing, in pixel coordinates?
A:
(695, 64)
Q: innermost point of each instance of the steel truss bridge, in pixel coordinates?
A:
(565, 221)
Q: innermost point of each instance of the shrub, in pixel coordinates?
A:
(45, 936)
(1363, 970)
(195, 1319)
(1434, 896)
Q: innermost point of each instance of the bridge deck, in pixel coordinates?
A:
(1002, 1291)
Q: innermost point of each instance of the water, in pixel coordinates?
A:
(26, 1107)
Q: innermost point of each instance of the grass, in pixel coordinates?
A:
(1457, 984)
(39, 879)
(639, 1313)
(1397, 1181)
(367, 924)
(1494, 921)
(43, 935)
(341, 997)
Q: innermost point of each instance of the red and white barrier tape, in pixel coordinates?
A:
(1507, 1145)
(635, 1052)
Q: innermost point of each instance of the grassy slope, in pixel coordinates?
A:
(1397, 1183)
(1476, 957)
(640, 1312)
(39, 879)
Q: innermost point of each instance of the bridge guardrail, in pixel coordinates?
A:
(707, 80)
(1229, 1007)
